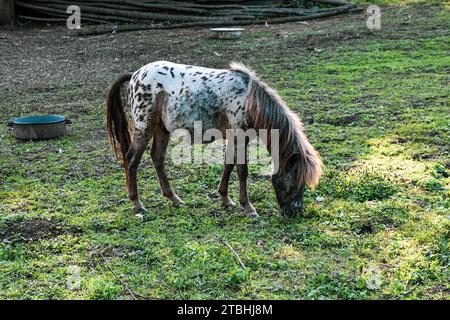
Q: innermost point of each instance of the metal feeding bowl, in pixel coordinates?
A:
(227, 33)
(39, 127)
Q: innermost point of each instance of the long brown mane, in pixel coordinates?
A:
(267, 110)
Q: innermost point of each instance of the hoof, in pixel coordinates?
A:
(140, 211)
(228, 203)
(252, 213)
(139, 216)
(177, 202)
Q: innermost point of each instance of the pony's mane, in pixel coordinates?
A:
(239, 67)
(267, 110)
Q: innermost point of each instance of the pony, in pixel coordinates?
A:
(165, 96)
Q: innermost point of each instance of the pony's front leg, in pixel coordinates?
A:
(227, 170)
(242, 171)
(134, 155)
(158, 153)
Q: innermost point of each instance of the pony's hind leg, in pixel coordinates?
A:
(134, 155)
(158, 153)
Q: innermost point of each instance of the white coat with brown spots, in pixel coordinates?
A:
(216, 97)
(185, 95)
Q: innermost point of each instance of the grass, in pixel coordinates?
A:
(376, 227)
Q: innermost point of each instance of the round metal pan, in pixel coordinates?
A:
(39, 127)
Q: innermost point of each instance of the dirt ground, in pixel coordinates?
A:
(39, 57)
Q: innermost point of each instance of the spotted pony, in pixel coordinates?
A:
(165, 96)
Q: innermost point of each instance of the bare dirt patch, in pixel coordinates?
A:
(32, 230)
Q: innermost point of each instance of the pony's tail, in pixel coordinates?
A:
(116, 120)
(312, 163)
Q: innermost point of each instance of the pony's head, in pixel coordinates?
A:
(288, 189)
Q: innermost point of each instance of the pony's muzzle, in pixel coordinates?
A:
(292, 211)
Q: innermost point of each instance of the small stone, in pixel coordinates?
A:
(320, 198)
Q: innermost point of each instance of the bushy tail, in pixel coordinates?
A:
(116, 120)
